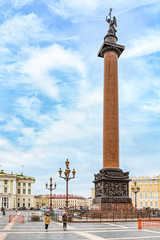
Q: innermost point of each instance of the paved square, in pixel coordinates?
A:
(91, 231)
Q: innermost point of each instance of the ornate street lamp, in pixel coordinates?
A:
(135, 189)
(67, 178)
(51, 188)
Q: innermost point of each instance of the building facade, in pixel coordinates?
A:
(59, 201)
(42, 200)
(76, 202)
(16, 191)
(89, 202)
(149, 195)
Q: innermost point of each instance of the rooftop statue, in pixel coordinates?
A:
(112, 23)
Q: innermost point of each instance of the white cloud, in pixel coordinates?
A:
(126, 6)
(147, 44)
(53, 57)
(35, 64)
(13, 124)
(43, 61)
(90, 98)
(71, 8)
(15, 3)
(3, 142)
(22, 29)
(21, 3)
(75, 9)
(152, 106)
(29, 108)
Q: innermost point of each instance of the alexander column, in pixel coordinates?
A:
(111, 183)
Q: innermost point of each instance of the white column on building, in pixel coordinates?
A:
(9, 186)
(27, 195)
(9, 193)
(21, 188)
(14, 187)
(32, 189)
(0, 193)
(2, 186)
(26, 188)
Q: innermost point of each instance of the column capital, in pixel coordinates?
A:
(107, 47)
(110, 44)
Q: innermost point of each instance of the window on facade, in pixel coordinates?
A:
(23, 199)
(151, 204)
(155, 204)
(141, 194)
(29, 199)
(156, 186)
(24, 191)
(140, 186)
(145, 194)
(18, 199)
(29, 205)
(150, 194)
(145, 186)
(5, 189)
(18, 204)
(146, 204)
(156, 194)
(29, 184)
(5, 181)
(24, 184)
(19, 191)
(19, 184)
(23, 204)
(29, 191)
(141, 204)
(150, 186)
(131, 194)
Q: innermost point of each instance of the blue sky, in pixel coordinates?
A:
(51, 88)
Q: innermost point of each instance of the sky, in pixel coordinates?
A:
(51, 88)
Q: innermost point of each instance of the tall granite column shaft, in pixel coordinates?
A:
(111, 183)
(110, 111)
(110, 51)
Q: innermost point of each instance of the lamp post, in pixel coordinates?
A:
(67, 178)
(135, 189)
(50, 188)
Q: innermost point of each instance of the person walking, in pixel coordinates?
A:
(47, 221)
(64, 220)
(3, 211)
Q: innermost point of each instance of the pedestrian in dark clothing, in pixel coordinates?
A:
(64, 220)
(3, 211)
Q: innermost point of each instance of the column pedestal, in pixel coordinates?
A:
(111, 191)
(111, 186)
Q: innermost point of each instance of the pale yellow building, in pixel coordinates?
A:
(16, 191)
(149, 195)
(42, 200)
(89, 202)
(76, 202)
(90, 199)
(92, 193)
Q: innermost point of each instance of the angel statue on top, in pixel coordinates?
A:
(112, 23)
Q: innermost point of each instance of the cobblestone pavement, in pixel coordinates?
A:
(75, 231)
